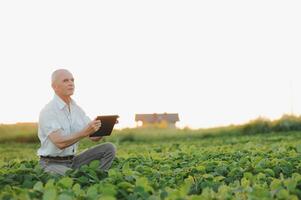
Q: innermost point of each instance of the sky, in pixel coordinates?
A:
(214, 62)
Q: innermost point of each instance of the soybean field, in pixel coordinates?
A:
(163, 165)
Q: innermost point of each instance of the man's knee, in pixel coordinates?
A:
(109, 148)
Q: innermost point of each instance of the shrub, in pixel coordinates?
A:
(287, 123)
(259, 125)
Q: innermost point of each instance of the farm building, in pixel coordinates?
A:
(164, 120)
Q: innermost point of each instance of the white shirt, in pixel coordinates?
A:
(56, 116)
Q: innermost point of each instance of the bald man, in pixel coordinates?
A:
(62, 124)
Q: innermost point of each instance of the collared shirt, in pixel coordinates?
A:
(55, 116)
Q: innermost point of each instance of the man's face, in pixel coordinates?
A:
(64, 85)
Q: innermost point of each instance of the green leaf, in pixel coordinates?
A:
(270, 172)
(125, 186)
(201, 168)
(94, 164)
(92, 192)
(276, 184)
(66, 182)
(248, 175)
(77, 190)
(65, 197)
(38, 186)
(224, 191)
(290, 184)
(49, 194)
(113, 173)
(126, 170)
(49, 184)
(283, 194)
(296, 177)
(208, 176)
(28, 183)
(83, 180)
(108, 190)
(260, 192)
(185, 187)
(245, 182)
(219, 178)
(143, 182)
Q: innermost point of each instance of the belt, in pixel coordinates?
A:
(57, 157)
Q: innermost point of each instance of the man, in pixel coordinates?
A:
(62, 123)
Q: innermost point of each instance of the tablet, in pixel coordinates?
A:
(107, 125)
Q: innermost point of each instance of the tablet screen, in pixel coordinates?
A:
(107, 125)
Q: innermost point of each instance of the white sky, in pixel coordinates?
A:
(213, 62)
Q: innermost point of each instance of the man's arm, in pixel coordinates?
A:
(62, 141)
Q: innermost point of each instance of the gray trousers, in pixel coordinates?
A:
(105, 153)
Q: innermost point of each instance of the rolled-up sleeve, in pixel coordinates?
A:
(48, 123)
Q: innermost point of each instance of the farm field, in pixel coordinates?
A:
(165, 165)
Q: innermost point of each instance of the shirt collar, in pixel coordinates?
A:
(60, 103)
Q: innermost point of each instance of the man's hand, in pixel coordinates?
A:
(92, 127)
(95, 139)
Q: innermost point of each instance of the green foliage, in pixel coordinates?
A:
(220, 167)
(20, 132)
(287, 123)
(262, 125)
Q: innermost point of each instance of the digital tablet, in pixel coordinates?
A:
(107, 125)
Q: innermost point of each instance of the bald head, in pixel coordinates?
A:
(62, 82)
(57, 74)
